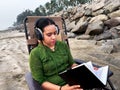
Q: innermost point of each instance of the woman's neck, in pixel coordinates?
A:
(51, 47)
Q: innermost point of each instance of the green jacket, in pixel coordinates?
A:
(45, 64)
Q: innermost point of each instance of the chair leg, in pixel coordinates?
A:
(111, 85)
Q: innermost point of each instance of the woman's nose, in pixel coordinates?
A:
(53, 36)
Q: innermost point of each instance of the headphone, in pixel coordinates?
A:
(39, 32)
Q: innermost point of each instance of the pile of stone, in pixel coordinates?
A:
(98, 20)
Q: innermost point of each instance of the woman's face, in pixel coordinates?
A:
(49, 35)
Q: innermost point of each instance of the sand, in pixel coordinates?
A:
(14, 59)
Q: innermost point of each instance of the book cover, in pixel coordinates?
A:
(86, 76)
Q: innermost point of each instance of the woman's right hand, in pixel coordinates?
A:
(73, 87)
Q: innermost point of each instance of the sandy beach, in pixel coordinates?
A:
(14, 59)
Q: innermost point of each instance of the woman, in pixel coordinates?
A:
(50, 57)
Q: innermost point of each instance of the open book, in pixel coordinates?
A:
(85, 75)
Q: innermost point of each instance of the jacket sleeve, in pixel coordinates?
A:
(36, 67)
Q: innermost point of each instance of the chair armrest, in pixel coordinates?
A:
(32, 84)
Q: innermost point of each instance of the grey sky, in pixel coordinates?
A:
(9, 9)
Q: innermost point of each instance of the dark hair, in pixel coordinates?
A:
(43, 22)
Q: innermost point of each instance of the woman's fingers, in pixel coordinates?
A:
(76, 87)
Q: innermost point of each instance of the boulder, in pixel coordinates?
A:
(114, 14)
(81, 26)
(95, 27)
(112, 22)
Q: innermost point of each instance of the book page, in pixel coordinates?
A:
(89, 66)
(101, 73)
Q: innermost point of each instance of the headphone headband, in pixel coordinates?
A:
(39, 33)
(40, 24)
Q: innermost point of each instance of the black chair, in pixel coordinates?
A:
(32, 42)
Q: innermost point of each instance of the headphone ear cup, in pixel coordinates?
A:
(38, 33)
(57, 29)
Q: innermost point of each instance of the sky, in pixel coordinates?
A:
(9, 9)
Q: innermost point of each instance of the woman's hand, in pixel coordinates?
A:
(73, 87)
(95, 68)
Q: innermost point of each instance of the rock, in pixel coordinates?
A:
(114, 33)
(112, 22)
(71, 35)
(101, 17)
(88, 12)
(70, 26)
(114, 14)
(84, 37)
(95, 28)
(81, 26)
(97, 5)
(103, 36)
(111, 5)
(107, 48)
(78, 15)
(98, 12)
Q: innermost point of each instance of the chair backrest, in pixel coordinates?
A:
(29, 23)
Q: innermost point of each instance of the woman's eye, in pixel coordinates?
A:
(49, 34)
